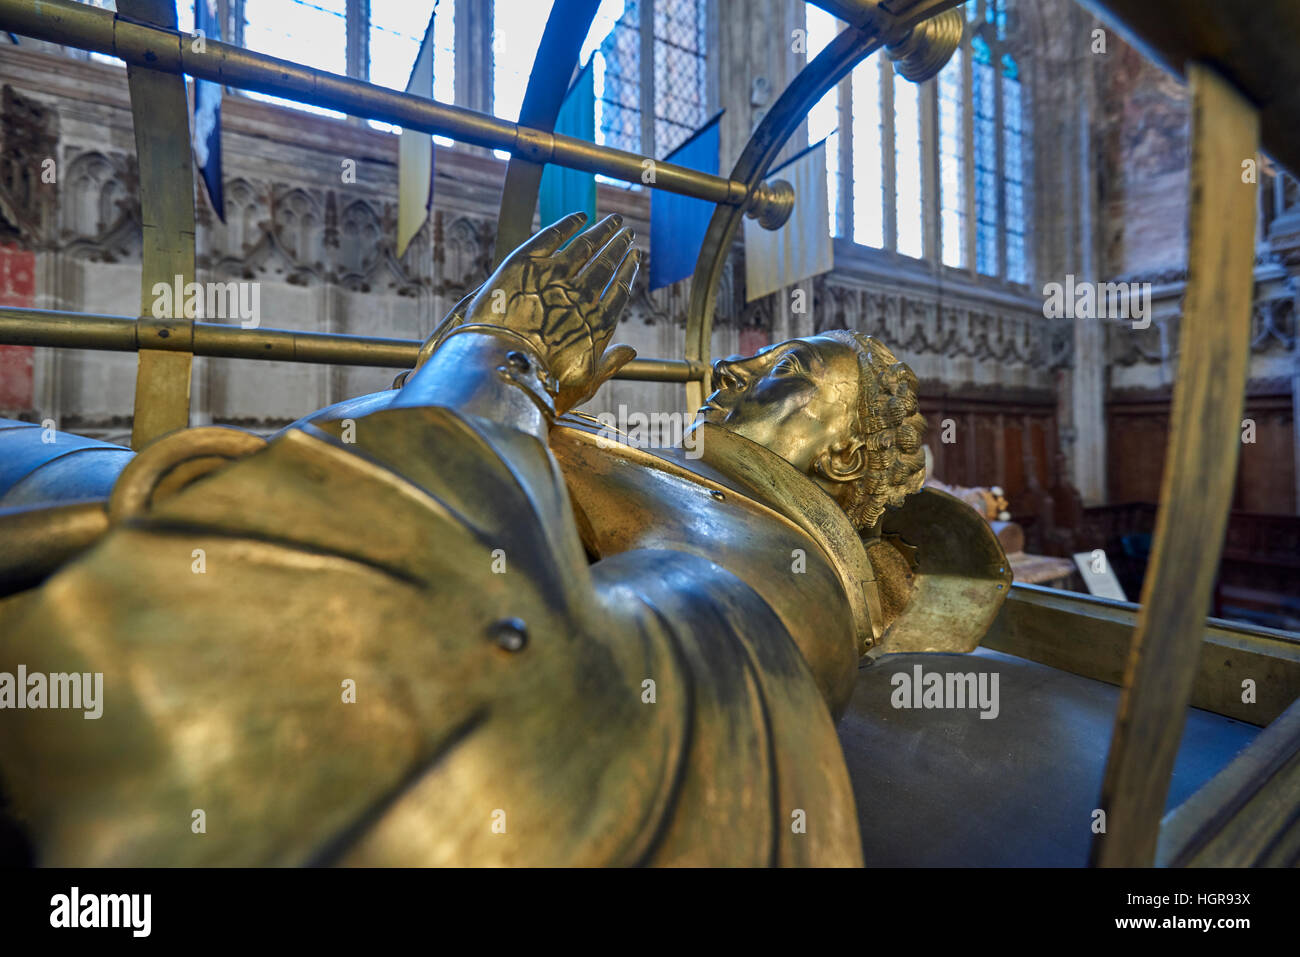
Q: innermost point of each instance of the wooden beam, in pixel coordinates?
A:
(1247, 815)
(1200, 469)
(1091, 637)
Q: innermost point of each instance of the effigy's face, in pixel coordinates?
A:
(795, 398)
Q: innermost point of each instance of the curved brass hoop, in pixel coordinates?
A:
(871, 28)
(173, 462)
(557, 56)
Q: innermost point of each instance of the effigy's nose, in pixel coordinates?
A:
(725, 373)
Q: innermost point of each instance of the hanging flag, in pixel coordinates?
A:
(415, 153)
(678, 223)
(565, 191)
(776, 258)
(207, 114)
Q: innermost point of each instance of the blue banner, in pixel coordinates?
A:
(565, 191)
(207, 114)
(678, 223)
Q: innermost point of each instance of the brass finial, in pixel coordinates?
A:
(928, 46)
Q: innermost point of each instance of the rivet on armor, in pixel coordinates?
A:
(511, 634)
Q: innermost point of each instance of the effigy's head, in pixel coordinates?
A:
(838, 406)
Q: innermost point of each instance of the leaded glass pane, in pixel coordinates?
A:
(618, 82)
(313, 34)
(907, 168)
(680, 72)
(868, 177)
(396, 30)
(986, 158)
(517, 27)
(824, 117)
(1013, 171)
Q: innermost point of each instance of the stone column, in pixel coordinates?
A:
(474, 60)
(358, 45)
(1284, 241)
(755, 63)
(1066, 220)
(1295, 413)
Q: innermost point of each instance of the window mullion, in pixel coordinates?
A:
(474, 81)
(999, 144)
(232, 25)
(646, 13)
(357, 45)
(357, 19)
(713, 69)
(887, 153)
(968, 150)
(929, 106)
(844, 192)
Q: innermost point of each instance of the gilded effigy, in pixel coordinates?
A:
(451, 624)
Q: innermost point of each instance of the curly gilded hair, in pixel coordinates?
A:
(889, 427)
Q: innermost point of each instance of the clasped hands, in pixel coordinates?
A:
(564, 302)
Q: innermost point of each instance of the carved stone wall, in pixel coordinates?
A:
(953, 339)
(320, 246)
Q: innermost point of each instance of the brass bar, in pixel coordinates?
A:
(74, 24)
(1200, 469)
(39, 540)
(49, 328)
(662, 370)
(67, 330)
(160, 114)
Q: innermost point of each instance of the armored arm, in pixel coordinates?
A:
(532, 340)
(381, 642)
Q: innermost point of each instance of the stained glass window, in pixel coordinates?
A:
(396, 31)
(680, 71)
(995, 12)
(868, 155)
(907, 168)
(517, 27)
(312, 33)
(824, 118)
(618, 81)
(979, 139)
(986, 158)
(614, 46)
(1013, 170)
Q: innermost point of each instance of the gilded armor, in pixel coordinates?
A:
(452, 624)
